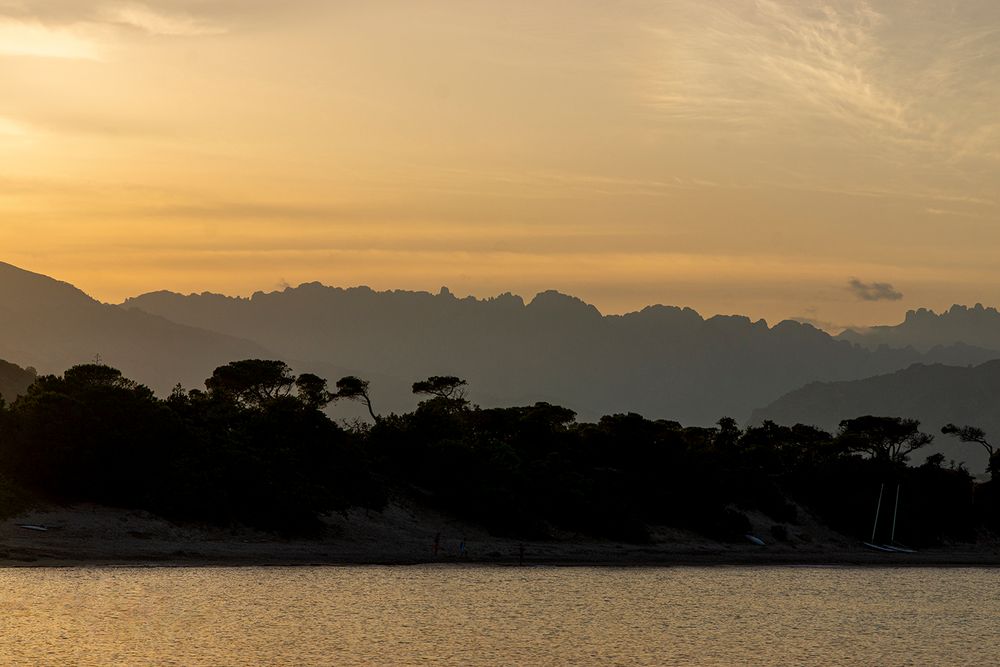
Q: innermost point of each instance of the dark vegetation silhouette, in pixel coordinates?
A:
(446, 387)
(355, 389)
(256, 448)
(976, 435)
(882, 439)
(246, 450)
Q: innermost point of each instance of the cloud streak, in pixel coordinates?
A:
(54, 29)
(894, 78)
(19, 38)
(156, 22)
(873, 291)
(165, 17)
(9, 128)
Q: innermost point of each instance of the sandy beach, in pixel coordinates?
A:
(88, 535)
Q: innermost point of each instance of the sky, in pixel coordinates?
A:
(836, 162)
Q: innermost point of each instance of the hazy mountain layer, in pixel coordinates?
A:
(52, 325)
(14, 380)
(662, 361)
(923, 329)
(935, 394)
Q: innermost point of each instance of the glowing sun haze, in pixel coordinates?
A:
(837, 161)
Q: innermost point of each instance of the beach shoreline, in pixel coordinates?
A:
(95, 536)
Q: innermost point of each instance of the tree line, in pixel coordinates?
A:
(256, 447)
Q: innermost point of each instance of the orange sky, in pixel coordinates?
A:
(733, 157)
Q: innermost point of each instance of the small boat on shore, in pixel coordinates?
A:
(892, 546)
(32, 526)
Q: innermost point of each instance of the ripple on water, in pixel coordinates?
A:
(439, 615)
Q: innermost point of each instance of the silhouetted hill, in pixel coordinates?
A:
(14, 380)
(923, 329)
(934, 394)
(52, 325)
(662, 361)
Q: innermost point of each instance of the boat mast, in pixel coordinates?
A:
(895, 509)
(877, 509)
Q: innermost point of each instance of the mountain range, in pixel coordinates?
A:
(663, 361)
(923, 329)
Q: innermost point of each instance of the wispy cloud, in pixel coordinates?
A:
(889, 78)
(952, 213)
(20, 38)
(9, 128)
(166, 17)
(746, 62)
(158, 22)
(873, 291)
(55, 28)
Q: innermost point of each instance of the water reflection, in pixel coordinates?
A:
(443, 615)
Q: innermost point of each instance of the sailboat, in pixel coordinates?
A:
(892, 547)
(878, 508)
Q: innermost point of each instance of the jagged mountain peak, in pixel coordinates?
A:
(923, 328)
(553, 302)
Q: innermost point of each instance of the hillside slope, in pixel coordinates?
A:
(934, 394)
(52, 325)
(14, 380)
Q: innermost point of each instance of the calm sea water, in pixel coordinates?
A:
(440, 615)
